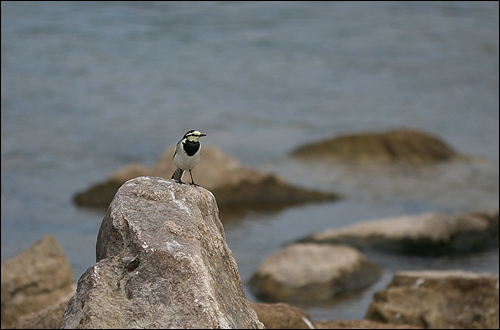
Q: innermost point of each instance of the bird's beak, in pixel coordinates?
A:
(202, 134)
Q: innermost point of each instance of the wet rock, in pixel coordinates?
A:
(439, 299)
(47, 318)
(232, 183)
(282, 316)
(360, 324)
(405, 146)
(312, 272)
(36, 278)
(163, 262)
(425, 234)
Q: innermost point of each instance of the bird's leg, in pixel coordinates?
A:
(192, 180)
(177, 176)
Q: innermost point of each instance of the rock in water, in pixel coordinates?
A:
(438, 300)
(407, 146)
(162, 262)
(35, 279)
(235, 185)
(309, 273)
(421, 234)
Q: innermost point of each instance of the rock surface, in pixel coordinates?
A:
(36, 278)
(282, 316)
(407, 146)
(312, 272)
(439, 299)
(163, 262)
(230, 181)
(360, 324)
(425, 234)
(47, 318)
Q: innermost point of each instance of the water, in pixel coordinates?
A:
(89, 87)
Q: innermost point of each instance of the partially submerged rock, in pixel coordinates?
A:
(406, 146)
(36, 278)
(439, 300)
(425, 234)
(312, 272)
(163, 262)
(232, 183)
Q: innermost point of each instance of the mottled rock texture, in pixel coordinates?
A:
(282, 316)
(162, 262)
(438, 300)
(34, 279)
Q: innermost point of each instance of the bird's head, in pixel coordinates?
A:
(193, 135)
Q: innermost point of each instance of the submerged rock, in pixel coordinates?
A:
(406, 146)
(312, 272)
(36, 278)
(438, 300)
(163, 262)
(233, 184)
(425, 234)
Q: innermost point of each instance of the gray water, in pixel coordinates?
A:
(88, 87)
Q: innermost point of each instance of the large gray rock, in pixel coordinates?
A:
(234, 184)
(438, 300)
(312, 272)
(425, 234)
(163, 262)
(398, 146)
(36, 278)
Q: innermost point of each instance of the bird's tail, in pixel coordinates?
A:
(177, 176)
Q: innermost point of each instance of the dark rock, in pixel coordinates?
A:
(282, 316)
(425, 234)
(233, 184)
(312, 272)
(407, 146)
(36, 278)
(163, 262)
(438, 299)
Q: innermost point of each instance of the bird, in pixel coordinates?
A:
(187, 154)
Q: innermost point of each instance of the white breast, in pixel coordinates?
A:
(184, 162)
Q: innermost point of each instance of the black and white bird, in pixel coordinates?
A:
(187, 154)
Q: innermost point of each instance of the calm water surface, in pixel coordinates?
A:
(89, 87)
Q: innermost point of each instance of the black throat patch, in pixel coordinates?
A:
(191, 147)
